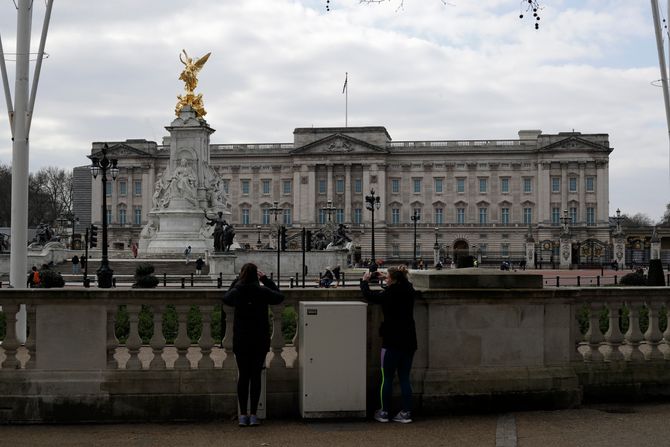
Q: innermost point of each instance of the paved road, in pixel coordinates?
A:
(592, 426)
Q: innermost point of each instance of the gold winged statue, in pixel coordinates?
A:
(190, 77)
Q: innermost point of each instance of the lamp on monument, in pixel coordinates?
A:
(101, 166)
(372, 203)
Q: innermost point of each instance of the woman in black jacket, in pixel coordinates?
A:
(398, 334)
(251, 333)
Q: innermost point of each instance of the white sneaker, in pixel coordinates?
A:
(381, 416)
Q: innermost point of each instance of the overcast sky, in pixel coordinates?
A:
(430, 71)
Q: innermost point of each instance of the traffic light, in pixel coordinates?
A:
(282, 238)
(308, 240)
(93, 237)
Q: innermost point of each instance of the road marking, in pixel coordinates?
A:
(506, 431)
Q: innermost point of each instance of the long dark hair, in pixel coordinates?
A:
(249, 273)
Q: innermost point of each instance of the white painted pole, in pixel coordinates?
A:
(20, 161)
(661, 64)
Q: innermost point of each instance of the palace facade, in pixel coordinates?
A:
(481, 196)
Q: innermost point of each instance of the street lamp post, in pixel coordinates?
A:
(101, 166)
(436, 249)
(259, 244)
(329, 209)
(275, 210)
(416, 217)
(373, 202)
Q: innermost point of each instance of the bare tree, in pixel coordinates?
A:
(527, 8)
(56, 185)
(636, 220)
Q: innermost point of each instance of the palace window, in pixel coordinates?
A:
(358, 216)
(266, 186)
(555, 216)
(287, 186)
(460, 184)
(590, 215)
(108, 189)
(438, 185)
(504, 216)
(339, 186)
(460, 215)
(137, 215)
(123, 188)
(504, 185)
(483, 215)
(527, 215)
(439, 216)
(358, 185)
(395, 216)
(265, 216)
(339, 215)
(245, 216)
(504, 250)
(322, 186)
(287, 216)
(137, 187)
(245, 186)
(572, 184)
(573, 215)
(555, 184)
(122, 215)
(417, 185)
(590, 184)
(527, 185)
(483, 185)
(395, 185)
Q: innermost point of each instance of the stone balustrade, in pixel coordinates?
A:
(483, 349)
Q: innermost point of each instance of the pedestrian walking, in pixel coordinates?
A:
(75, 264)
(82, 261)
(337, 274)
(251, 334)
(398, 332)
(187, 254)
(34, 278)
(199, 263)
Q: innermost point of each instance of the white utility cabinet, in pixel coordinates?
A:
(332, 356)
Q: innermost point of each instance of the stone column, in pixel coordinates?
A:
(620, 250)
(297, 203)
(329, 183)
(347, 193)
(581, 188)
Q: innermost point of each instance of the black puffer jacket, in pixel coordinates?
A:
(251, 331)
(398, 330)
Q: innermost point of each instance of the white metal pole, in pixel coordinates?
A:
(661, 64)
(38, 64)
(20, 161)
(346, 104)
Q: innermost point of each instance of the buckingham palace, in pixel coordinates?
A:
(485, 197)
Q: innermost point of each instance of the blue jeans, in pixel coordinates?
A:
(392, 361)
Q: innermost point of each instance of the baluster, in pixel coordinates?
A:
(296, 342)
(277, 342)
(634, 335)
(206, 341)
(182, 342)
(594, 337)
(157, 341)
(653, 335)
(614, 337)
(32, 334)
(666, 333)
(227, 342)
(11, 343)
(134, 342)
(112, 341)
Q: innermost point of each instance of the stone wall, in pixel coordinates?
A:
(478, 349)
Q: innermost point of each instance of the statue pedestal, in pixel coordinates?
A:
(530, 254)
(566, 254)
(223, 263)
(177, 229)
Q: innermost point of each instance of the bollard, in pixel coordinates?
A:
(183, 283)
(219, 282)
(297, 279)
(290, 283)
(164, 279)
(602, 271)
(598, 280)
(579, 281)
(558, 281)
(221, 277)
(191, 279)
(0, 284)
(615, 280)
(114, 282)
(272, 275)
(87, 283)
(342, 278)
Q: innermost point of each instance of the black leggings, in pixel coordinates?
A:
(250, 365)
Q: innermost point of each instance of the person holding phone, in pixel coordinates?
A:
(398, 332)
(251, 334)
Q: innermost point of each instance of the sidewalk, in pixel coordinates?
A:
(592, 426)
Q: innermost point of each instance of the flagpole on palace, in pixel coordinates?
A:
(345, 90)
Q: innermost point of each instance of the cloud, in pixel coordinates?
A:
(427, 72)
